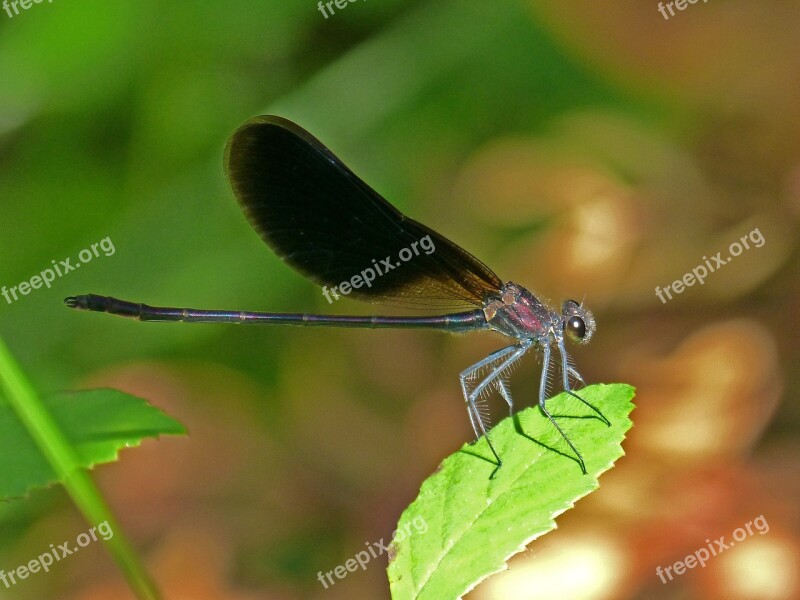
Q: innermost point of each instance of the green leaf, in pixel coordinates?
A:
(96, 423)
(465, 524)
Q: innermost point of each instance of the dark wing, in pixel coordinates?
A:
(321, 219)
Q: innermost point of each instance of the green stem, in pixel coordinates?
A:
(25, 401)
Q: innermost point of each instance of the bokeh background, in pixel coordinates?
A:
(578, 148)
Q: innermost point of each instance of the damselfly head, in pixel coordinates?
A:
(578, 322)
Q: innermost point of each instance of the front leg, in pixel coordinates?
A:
(566, 369)
(577, 376)
(543, 407)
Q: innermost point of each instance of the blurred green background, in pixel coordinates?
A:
(578, 149)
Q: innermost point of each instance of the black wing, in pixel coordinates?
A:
(321, 219)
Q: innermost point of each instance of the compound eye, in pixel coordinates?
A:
(575, 328)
